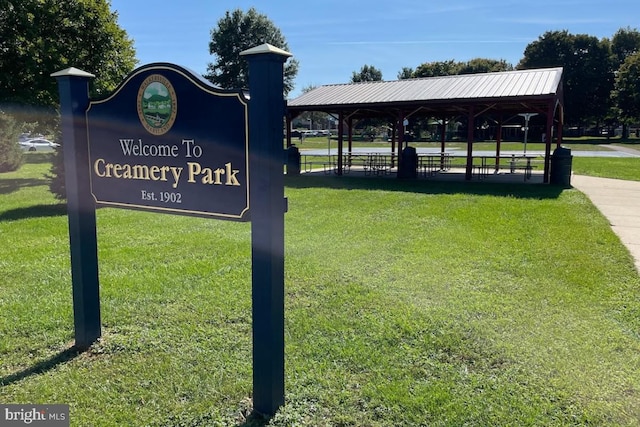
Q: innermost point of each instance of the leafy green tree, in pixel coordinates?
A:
(625, 42)
(627, 89)
(39, 37)
(437, 68)
(484, 65)
(451, 67)
(405, 73)
(10, 152)
(368, 73)
(588, 71)
(238, 31)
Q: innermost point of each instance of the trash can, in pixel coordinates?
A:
(293, 160)
(561, 163)
(408, 168)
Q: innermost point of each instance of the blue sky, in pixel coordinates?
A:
(333, 38)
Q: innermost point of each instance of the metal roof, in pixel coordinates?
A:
(499, 86)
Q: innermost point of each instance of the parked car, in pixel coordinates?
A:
(38, 144)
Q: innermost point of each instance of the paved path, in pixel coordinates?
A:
(619, 201)
(635, 152)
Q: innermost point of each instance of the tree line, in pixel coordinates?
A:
(39, 37)
(600, 77)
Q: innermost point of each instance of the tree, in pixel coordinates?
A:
(437, 68)
(625, 42)
(451, 67)
(588, 71)
(238, 31)
(39, 37)
(368, 73)
(10, 152)
(627, 89)
(405, 73)
(484, 65)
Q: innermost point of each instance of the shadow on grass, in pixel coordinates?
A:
(255, 420)
(10, 185)
(524, 191)
(35, 211)
(42, 367)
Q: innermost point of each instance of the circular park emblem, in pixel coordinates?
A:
(157, 104)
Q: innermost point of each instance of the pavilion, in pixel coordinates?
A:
(499, 96)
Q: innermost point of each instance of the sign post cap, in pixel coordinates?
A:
(265, 48)
(72, 72)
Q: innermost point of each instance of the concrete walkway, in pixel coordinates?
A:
(619, 202)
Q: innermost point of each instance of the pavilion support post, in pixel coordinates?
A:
(547, 146)
(470, 132)
(443, 138)
(288, 122)
(350, 141)
(560, 124)
(393, 142)
(400, 138)
(498, 142)
(340, 141)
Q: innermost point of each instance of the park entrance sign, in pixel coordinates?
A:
(168, 141)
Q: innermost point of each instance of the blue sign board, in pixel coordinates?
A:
(168, 141)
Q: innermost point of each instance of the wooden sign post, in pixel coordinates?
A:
(73, 85)
(168, 141)
(268, 206)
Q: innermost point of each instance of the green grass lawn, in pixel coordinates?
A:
(426, 303)
(617, 167)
